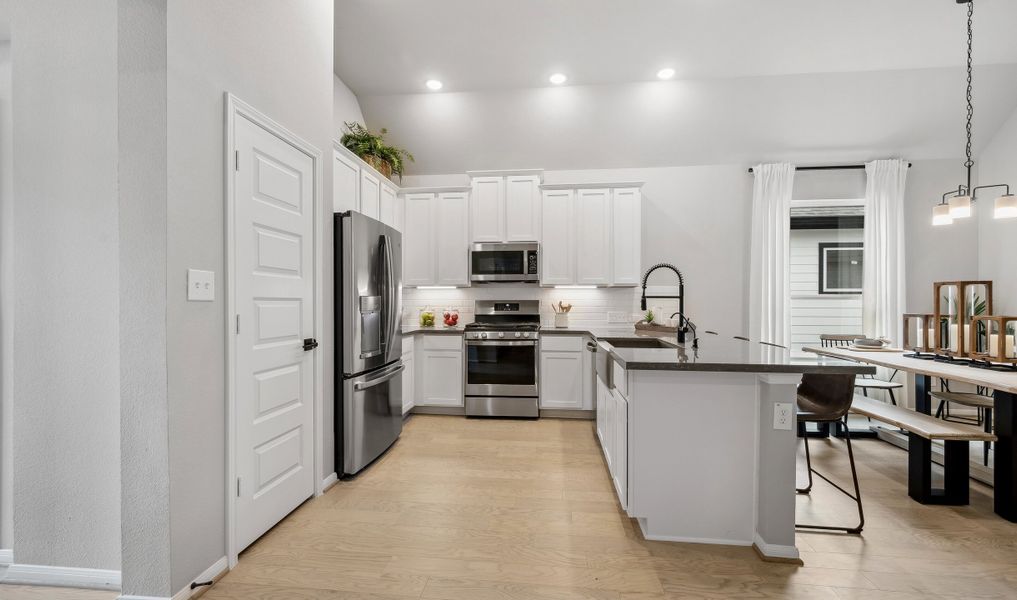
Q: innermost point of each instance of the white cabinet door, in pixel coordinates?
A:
(609, 434)
(345, 183)
(370, 194)
(451, 238)
(602, 395)
(561, 380)
(620, 458)
(557, 259)
(441, 378)
(488, 209)
(593, 237)
(522, 208)
(387, 206)
(418, 240)
(407, 382)
(627, 223)
(589, 374)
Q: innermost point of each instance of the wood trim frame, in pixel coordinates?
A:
(234, 107)
(821, 273)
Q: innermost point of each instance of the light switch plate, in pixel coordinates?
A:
(782, 415)
(200, 285)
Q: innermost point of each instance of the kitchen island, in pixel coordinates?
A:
(701, 443)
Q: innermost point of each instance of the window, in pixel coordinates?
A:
(840, 268)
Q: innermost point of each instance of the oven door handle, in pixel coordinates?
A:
(501, 342)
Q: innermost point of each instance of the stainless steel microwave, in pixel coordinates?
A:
(505, 263)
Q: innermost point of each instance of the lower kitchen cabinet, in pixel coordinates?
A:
(620, 443)
(566, 373)
(408, 379)
(439, 371)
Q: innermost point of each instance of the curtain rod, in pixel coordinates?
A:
(830, 168)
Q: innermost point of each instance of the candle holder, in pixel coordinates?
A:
(992, 339)
(917, 334)
(956, 304)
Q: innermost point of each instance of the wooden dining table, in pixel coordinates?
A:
(1004, 386)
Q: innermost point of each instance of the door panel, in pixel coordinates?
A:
(593, 236)
(370, 194)
(274, 291)
(522, 208)
(488, 209)
(345, 183)
(557, 259)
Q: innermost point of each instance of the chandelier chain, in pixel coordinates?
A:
(971, 109)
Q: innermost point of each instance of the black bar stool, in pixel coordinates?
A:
(827, 399)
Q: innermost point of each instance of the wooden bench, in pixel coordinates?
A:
(921, 427)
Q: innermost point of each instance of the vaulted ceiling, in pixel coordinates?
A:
(805, 80)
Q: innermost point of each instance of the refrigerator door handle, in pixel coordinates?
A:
(388, 310)
(385, 376)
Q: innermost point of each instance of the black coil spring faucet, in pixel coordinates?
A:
(683, 323)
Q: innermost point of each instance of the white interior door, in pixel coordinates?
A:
(274, 299)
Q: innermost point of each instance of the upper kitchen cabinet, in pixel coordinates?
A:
(436, 239)
(591, 234)
(505, 206)
(359, 187)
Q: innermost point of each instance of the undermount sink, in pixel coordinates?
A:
(639, 343)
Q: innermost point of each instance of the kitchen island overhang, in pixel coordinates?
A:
(705, 463)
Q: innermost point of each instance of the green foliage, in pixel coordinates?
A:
(362, 142)
(649, 316)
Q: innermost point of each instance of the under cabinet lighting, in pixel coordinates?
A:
(1006, 207)
(433, 84)
(666, 73)
(558, 78)
(960, 207)
(436, 287)
(575, 287)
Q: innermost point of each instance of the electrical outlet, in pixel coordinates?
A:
(618, 317)
(200, 285)
(782, 415)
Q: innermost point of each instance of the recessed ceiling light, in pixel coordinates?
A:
(558, 78)
(666, 73)
(433, 84)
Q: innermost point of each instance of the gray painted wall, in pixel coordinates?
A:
(141, 105)
(66, 378)
(345, 106)
(997, 240)
(277, 56)
(6, 296)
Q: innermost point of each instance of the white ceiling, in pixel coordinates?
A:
(393, 46)
(812, 81)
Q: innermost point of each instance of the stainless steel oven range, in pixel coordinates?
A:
(502, 358)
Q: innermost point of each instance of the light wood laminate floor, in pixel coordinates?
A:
(523, 510)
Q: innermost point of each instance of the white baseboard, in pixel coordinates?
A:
(212, 573)
(6, 557)
(775, 550)
(689, 540)
(97, 579)
(329, 482)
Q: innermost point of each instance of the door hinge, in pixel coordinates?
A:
(238, 487)
(238, 324)
(236, 159)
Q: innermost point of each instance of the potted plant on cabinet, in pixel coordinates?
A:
(372, 149)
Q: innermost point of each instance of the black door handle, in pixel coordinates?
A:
(310, 344)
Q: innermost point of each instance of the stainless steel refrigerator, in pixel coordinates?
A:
(368, 357)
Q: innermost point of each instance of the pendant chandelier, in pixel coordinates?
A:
(956, 204)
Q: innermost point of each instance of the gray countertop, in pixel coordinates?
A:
(437, 329)
(722, 354)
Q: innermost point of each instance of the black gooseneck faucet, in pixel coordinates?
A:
(683, 321)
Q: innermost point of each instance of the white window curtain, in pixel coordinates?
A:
(769, 281)
(884, 283)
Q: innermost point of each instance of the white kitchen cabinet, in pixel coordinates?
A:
(452, 241)
(620, 446)
(407, 375)
(440, 370)
(626, 223)
(601, 402)
(557, 247)
(418, 240)
(345, 182)
(522, 208)
(561, 380)
(370, 194)
(593, 236)
(589, 374)
(566, 373)
(387, 205)
(487, 200)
